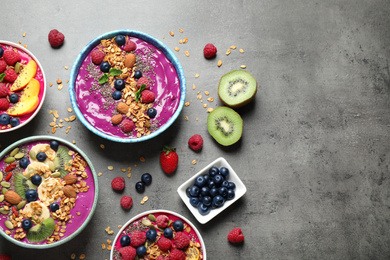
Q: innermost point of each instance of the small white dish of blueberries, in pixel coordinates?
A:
(211, 190)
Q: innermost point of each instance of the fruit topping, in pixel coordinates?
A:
(28, 100)
(151, 234)
(126, 202)
(97, 56)
(41, 231)
(137, 74)
(143, 80)
(1, 52)
(209, 51)
(36, 179)
(26, 224)
(195, 142)
(147, 96)
(235, 236)
(119, 84)
(178, 225)
(152, 112)
(31, 195)
(105, 66)
(120, 40)
(10, 75)
(168, 233)
(14, 98)
(56, 38)
(3, 66)
(116, 95)
(169, 159)
(127, 126)
(125, 240)
(11, 57)
(177, 254)
(164, 244)
(162, 221)
(4, 104)
(54, 144)
(129, 46)
(118, 183)
(54, 207)
(28, 72)
(141, 251)
(137, 238)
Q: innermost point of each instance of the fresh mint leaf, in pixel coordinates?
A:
(103, 79)
(2, 75)
(115, 72)
(138, 93)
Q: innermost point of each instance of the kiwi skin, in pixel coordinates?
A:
(237, 105)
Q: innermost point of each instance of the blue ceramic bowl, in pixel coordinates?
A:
(143, 36)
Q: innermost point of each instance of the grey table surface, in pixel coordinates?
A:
(314, 154)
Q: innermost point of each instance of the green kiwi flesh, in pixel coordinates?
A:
(225, 125)
(62, 160)
(38, 233)
(22, 184)
(237, 88)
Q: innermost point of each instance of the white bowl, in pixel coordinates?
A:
(233, 177)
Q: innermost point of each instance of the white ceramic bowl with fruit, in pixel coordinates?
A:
(144, 234)
(226, 189)
(49, 192)
(127, 86)
(22, 86)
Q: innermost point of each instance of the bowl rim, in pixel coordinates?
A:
(84, 224)
(240, 191)
(44, 86)
(148, 38)
(159, 211)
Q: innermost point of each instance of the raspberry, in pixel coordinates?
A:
(164, 243)
(143, 80)
(3, 66)
(97, 56)
(181, 240)
(5, 257)
(128, 252)
(129, 46)
(126, 202)
(236, 235)
(147, 96)
(4, 104)
(161, 257)
(195, 142)
(11, 57)
(177, 254)
(3, 90)
(10, 75)
(137, 238)
(56, 38)
(162, 221)
(127, 125)
(209, 51)
(118, 183)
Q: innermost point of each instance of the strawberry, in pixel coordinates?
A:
(169, 159)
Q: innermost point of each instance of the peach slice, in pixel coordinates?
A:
(27, 73)
(28, 101)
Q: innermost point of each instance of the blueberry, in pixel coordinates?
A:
(119, 84)
(146, 178)
(137, 74)
(203, 209)
(194, 191)
(218, 201)
(232, 185)
(36, 179)
(200, 181)
(24, 162)
(188, 192)
(206, 177)
(125, 240)
(140, 187)
(31, 195)
(14, 121)
(26, 224)
(213, 192)
(225, 183)
(152, 112)
(224, 172)
(54, 144)
(141, 250)
(120, 40)
(218, 179)
(151, 234)
(168, 233)
(223, 191)
(116, 95)
(41, 156)
(207, 201)
(1, 52)
(13, 98)
(194, 201)
(213, 171)
(105, 66)
(4, 119)
(178, 225)
(205, 191)
(54, 206)
(231, 194)
(211, 184)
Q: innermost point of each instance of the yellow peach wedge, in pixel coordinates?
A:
(27, 73)
(28, 101)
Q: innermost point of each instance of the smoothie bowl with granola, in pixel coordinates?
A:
(127, 86)
(48, 194)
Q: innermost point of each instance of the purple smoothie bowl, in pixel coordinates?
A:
(168, 79)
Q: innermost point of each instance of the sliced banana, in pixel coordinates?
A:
(50, 153)
(36, 211)
(38, 168)
(50, 190)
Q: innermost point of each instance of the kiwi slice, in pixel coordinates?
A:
(237, 88)
(22, 184)
(225, 125)
(62, 160)
(41, 231)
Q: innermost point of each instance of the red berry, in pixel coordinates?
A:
(3, 90)
(129, 46)
(127, 252)
(56, 38)
(137, 238)
(164, 243)
(10, 167)
(195, 142)
(177, 254)
(126, 202)
(97, 56)
(162, 221)
(169, 160)
(209, 51)
(143, 80)
(236, 235)
(10, 75)
(147, 96)
(127, 125)
(5, 257)
(11, 57)
(4, 103)
(181, 240)
(118, 183)
(3, 66)
(161, 257)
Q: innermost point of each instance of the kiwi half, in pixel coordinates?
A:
(237, 88)
(41, 231)
(225, 125)
(22, 184)
(62, 160)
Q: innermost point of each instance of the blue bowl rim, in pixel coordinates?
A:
(146, 37)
